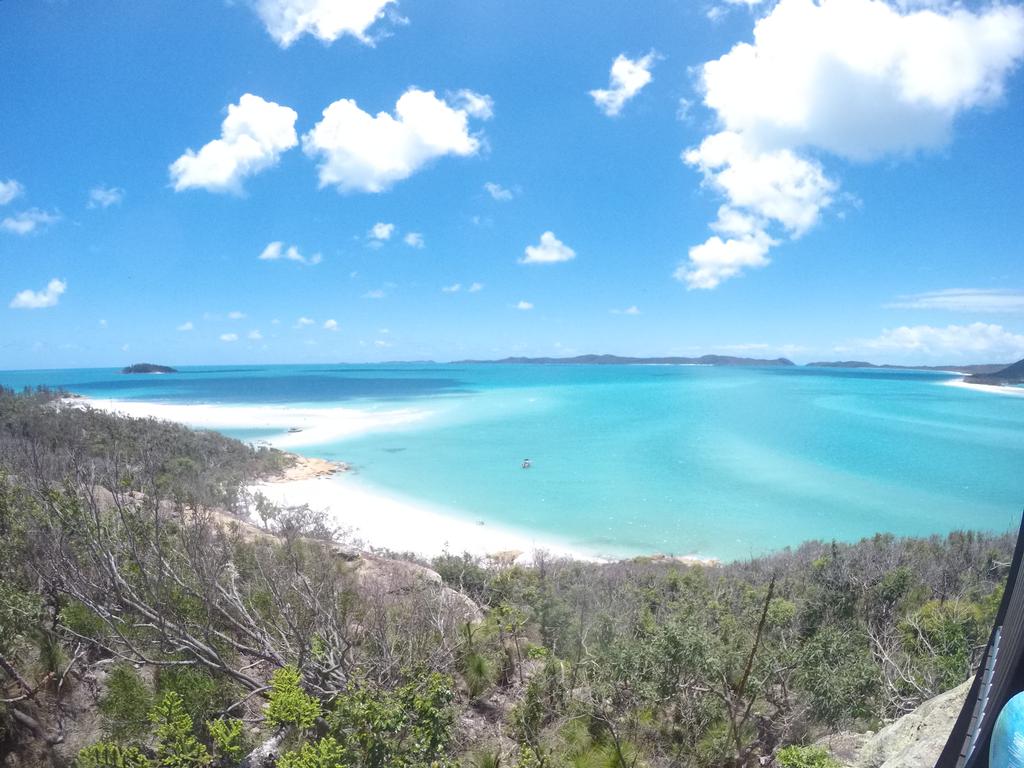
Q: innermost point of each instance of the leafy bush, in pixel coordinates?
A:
(805, 757)
(227, 737)
(324, 753)
(409, 726)
(126, 704)
(176, 744)
(289, 704)
(107, 755)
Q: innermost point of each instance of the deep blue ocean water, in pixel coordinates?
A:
(723, 462)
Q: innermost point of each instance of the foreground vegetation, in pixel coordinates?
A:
(143, 622)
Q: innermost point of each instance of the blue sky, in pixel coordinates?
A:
(821, 180)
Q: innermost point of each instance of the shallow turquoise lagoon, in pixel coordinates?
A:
(722, 462)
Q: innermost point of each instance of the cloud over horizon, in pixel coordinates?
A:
(253, 136)
(360, 152)
(964, 300)
(276, 251)
(975, 338)
(27, 222)
(627, 78)
(857, 79)
(549, 250)
(48, 297)
(326, 20)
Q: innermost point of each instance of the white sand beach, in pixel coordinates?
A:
(989, 388)
(373, 517)
(376, 518)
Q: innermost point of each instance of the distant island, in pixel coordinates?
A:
(617, 360)
(148, 368)
(986, 368)
(1009, 376)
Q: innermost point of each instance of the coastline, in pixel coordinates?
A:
(990, 388)
(306, 425)
(373, 517)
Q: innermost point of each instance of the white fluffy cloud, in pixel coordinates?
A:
(331, 325)
(253, 136)
(236, 315)
(414, 240)
(276, 250)
(858, 79)
(716, 259)
(475, 288)
(27, 222)
(524, 305)
(628, 77)
(975, 338)
(229, 337)
(964, 300)
(381, 231)
(453, 288)
(186, 326)
(48, 297)
(104, 197)
(761, 186)
(303, 322)
(9, 190)
(327, 20)
(548, 251)
(358, 151)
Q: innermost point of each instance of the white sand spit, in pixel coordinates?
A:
(989, 388)
(315, 426)
(383, 520)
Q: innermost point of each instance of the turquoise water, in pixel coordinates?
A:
(722, 462)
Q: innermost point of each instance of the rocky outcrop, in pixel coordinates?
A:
(913, 741)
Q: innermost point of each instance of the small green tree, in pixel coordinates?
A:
(227, 737)
(106, 755)
(289, 704)
(795, 756)
(324, 753)
(125, 705)
(176, 744)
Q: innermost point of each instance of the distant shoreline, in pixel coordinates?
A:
(996, 389)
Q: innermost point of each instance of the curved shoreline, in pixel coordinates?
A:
(993, 389)
(378, 517)
(375, 518)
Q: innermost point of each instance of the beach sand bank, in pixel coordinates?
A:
(993, 389)
(295, 427)
(375, 518)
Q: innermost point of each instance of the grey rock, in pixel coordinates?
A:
(917, 738)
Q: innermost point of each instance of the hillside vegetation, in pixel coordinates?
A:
(145, 622)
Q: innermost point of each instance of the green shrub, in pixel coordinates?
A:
(126, 704)
(289, 704)
(325, 753)
(227, 736)
(176, 744)
(409, 726)
(201, 694)
(107, 755)
(796, 756)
